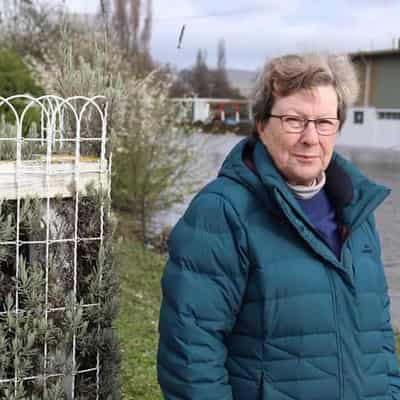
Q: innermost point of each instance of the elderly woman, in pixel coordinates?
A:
(274, 288)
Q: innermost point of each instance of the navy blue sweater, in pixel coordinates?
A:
(322, 215)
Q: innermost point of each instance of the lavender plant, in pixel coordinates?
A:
(52, 331)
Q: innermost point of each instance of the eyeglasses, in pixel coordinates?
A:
(295, 124)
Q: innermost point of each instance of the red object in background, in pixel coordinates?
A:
(236, 107)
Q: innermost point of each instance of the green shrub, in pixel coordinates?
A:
(16, 79)
(71, 327)
(15, 76)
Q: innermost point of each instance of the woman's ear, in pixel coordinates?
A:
(261, 128)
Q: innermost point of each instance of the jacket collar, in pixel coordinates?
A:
(353, 194)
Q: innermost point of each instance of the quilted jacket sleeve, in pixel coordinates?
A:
(203, 285)
(389, 345)
(390, 350)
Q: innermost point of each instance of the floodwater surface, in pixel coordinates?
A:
(388, 224)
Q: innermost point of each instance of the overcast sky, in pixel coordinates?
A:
(256, 29)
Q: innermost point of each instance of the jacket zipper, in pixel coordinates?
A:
(338, 336)
(334, 294)
(336, 313)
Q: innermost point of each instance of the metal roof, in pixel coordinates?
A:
(376, 53)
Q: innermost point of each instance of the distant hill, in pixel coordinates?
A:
(242, 79)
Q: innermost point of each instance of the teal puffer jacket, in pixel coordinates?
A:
(257, 307)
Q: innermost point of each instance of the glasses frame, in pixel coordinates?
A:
(306, 121)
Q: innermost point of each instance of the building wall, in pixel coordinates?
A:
(370, 131)
(385, 88)
(360, 67)
(384, 81)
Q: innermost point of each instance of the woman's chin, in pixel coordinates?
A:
(304, 176)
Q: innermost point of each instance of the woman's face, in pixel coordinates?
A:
(301, 157)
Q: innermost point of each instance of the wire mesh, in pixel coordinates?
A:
(67, 138)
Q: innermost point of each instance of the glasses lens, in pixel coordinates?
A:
(326, 126)
(293, 124)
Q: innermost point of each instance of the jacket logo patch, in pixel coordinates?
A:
(367, 248)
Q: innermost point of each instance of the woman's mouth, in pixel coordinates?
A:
(305, 157)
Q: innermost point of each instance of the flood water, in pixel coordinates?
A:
(388, 223)
(215, 149)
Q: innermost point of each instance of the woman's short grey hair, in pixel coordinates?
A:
(288, 74)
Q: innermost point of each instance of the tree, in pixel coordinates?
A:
(145, 37)
(221, 87)
(153, 150)
(133, 37)
(182, 83)
(16, 78)
(154, 167)
(202, 81)
(142, 119)
(200, 76)
(30, 27)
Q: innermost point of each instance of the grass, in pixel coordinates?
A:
(140, 272)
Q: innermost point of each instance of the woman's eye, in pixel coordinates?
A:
(294, 120)
(325, 122)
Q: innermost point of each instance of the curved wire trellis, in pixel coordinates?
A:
(57, 115)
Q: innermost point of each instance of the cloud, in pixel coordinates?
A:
(275, 28)
(256, 29)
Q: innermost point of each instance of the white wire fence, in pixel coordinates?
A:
(55, 191)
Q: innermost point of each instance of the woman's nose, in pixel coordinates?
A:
(310, 133)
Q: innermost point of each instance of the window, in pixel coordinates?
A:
(389, 115)
(358, 117)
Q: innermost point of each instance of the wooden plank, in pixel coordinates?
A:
(62, 179)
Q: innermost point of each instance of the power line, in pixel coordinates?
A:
(222, 14)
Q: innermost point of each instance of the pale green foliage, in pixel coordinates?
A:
(153, 151)
(154, 158)
(24, 328)
(80, 298)
(8, 148)
(86, 65)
